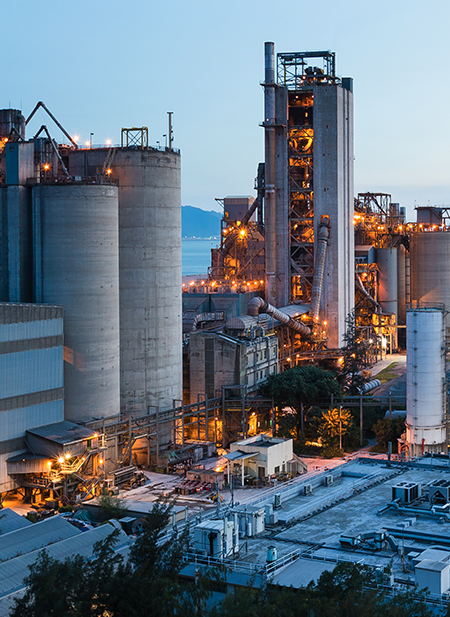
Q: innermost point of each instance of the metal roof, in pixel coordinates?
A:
(10, 521)
(13, 571)
(237, 455)
(62, 432)
(27, 539)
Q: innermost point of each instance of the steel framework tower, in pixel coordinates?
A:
(308, 176)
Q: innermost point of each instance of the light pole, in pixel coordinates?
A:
(340, 427)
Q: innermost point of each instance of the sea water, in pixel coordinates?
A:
(196, 255)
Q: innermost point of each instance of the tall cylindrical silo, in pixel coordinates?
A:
(401, 284)
(425, 386)
(387, 263)
(76, 256)
(430, 268)
(150, 271)
(401, 287)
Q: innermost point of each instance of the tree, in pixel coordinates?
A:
(347, 591)
(111, 506)
(387, 430)
(147, 584)
(305, 385)
(353, 357)
(334, 425)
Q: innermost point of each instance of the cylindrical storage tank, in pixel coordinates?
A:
(401, 284)
(76, 236)
(271, 554)
(401, 295)
(150, 271)
(425, 381)
(430, 268)
(11, 119)
(388, 283)
(394, 209)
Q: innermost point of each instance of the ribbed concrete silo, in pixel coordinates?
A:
(425, 387)
(150, 271)
(430, 268)
(76, 257)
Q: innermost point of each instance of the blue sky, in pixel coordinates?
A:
(102, 65)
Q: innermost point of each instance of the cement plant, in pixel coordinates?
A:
(119, 376)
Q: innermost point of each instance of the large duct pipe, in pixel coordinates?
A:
(258, 305)
(365, 293)
(319, 267)
(269, 193)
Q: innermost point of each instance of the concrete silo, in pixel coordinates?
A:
(149, 270)
(76, 264)
(425, 387)
(430, 267)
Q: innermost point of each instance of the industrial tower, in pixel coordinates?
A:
(308, 183)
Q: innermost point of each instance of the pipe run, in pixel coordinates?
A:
(258, 305)
(365, 293)
(319, 267)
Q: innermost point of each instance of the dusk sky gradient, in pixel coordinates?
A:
(100, 66)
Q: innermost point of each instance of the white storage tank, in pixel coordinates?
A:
(150, 271)
(75, 245)
(426, 396)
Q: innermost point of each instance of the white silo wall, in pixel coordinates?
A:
(150, 271)
(76, 230)
(426, 399)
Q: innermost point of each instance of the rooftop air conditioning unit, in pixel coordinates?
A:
(329, 479)
(406, 492)
(307, 489)
(277, 501)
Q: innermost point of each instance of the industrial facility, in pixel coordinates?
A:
(111, 362)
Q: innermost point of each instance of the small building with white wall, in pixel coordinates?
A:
(263, 456)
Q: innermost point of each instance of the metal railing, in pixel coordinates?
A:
(108, 146)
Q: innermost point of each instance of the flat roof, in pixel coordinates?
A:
(353, 504)
(301, 573)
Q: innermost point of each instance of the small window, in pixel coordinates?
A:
(276, 470)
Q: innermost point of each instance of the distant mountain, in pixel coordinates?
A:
(199, 223)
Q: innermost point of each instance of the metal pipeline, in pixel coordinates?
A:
(258, 305)
(319, 267)
(365, 293)
(269, 193)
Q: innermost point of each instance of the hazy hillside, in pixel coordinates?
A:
(199, 223)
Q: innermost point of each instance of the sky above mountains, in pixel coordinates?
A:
(100, 66)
